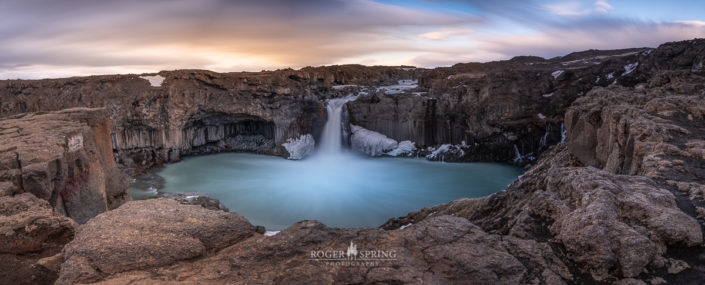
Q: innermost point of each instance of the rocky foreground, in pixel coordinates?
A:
(621, 200)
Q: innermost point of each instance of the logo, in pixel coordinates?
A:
(353, 257)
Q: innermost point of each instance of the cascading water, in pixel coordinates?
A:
(331, 139)
(563, 133)
(335, 187)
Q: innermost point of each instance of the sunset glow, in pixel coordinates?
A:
(77, 37)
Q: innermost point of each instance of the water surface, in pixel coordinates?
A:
(344, 190)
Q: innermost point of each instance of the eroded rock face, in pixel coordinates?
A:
(492, 107)
(30, 231)
(439, 250)
(623, 197)
(63, 157)
(196, 112)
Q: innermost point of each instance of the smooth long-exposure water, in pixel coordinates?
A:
(341, 192)
(336, 187)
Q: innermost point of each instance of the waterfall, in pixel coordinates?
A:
(517, 155)
(331, 139)
(544, 140)
(563, 133)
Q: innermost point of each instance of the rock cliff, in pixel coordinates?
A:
(504, 111)
(159, 118)
(65, 158)
(56, 169)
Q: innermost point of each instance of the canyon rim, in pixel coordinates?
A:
(571, 167)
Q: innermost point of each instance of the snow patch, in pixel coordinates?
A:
(155, 81)
(439, 151)
(629, 68)
(270, 233)
(557, 73)
(75, 142)
(370, 142)
(339, 87)
(548, 95)
(405, 226)
(403, 85)
(541, 116)
(403, 148)
(610, 76)
(300, 147)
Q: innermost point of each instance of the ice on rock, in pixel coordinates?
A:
(403, 148)
(370, 142)
(270, 233)
(339, 87)
(375, 144)
(399, 88)
(629, 68)
(439, 151)
(300, 147)
(155, 81)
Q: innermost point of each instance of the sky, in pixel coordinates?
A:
(49, 38)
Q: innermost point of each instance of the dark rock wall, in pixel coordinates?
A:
(195, 111)
(492, 106)
(65, 158)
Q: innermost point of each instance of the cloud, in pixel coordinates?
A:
(691, 23)
(222, 34)
(78, 37)
(447, 33)
(601, 6)
(577, 8)
(572, 8)
(561, 41)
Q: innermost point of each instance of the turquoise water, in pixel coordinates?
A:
(341, 191)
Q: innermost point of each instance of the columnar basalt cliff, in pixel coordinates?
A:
(56, 169)
(502, 111)
(65, 158)
(159, 118)
(494, 107)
